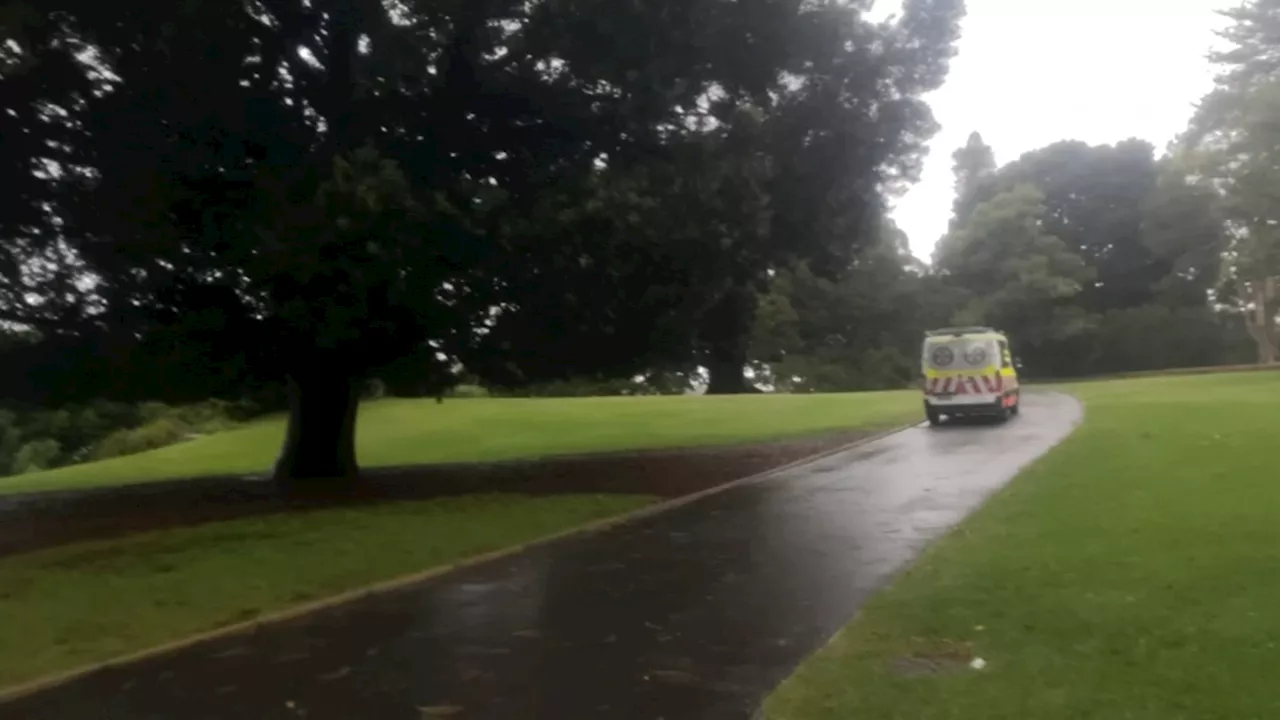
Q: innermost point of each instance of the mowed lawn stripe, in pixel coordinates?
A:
(1134, 572)
(410, 432)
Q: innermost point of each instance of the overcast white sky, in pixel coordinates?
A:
(1031, 72)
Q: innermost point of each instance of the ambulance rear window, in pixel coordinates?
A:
(958, 354)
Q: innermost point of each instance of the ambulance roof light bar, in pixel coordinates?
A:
(958, 331)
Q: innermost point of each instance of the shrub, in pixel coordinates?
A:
(39, 439)
(204, 417)
(155, 434)
(584, 387)
(882, 368)
(149, 412)
(1154, 337)
(468, 391)
(170, 425)
(242, 410)
(116, 415)
(10, 439)
(373, 389)
(36, 455)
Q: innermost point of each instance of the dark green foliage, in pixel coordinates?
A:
(838, 370)
(154, 434)
(652, 384)
(1016, 276)
(69, 369)
(858, 332)
(1230, 147)
(833, 157)
(1094, 197)
(39, 439)
(468, 391)
(331, 190)
(34, 456)
(1156, 337)
(974, 164)
(1094, 259)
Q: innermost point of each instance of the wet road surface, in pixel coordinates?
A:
(694, 613)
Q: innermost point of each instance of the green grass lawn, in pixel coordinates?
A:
(404, 432)
(62, 608)
(1132, 573)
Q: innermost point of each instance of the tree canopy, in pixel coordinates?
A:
(1071, 246)
(857, 332)
(1230, 149)
(321, 190)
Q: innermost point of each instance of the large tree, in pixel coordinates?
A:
(1094, 198)
(859, 332)
(1253, 52)
(1182, 228)
(330, 186)
(319, 189)
(973, 165)
(1017, 275)
(844, 131)
(1148, 233)
(1231, 145)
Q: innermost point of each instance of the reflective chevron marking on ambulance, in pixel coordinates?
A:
(965, 385)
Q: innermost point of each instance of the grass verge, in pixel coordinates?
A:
(411, 432)
(82, 604)
(1131, 574)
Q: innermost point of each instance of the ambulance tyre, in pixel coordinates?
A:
(1017, 404)
(935, 417)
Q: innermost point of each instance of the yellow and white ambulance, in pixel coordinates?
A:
(968, 371)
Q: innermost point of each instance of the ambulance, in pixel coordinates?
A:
(968, 371)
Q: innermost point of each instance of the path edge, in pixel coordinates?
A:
(896, 575)
(53, 680)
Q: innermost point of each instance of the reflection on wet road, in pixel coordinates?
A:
(694, 613)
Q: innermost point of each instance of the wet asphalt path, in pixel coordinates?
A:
(694, 613)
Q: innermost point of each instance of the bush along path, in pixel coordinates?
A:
(695, 612)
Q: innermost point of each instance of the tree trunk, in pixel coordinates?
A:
(320, 444)
(726, 377)
(726, 331)
(1271, 333)
(1262, 323)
